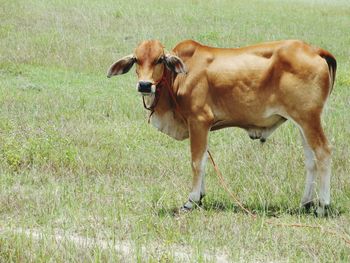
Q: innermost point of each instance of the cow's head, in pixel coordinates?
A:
(151, 62)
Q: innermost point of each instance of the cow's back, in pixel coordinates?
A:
(250, 81)
(186, 49)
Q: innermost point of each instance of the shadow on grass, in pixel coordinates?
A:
(270, 210)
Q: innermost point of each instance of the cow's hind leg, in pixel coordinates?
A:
(310, 164)
(318, 161)
(198, 140)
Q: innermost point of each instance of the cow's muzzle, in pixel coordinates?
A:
(146, 88)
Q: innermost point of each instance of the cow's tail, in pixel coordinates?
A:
(332, 64)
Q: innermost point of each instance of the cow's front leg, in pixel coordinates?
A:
(199, 141)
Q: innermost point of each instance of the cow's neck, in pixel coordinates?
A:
(166, 117)
(166, 102)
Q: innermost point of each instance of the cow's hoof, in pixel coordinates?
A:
(190, 205)
(185, 209)
(322, 211)
(308, 206)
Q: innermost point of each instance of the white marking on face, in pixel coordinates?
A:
(153, 89)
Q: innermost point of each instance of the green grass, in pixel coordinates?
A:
(78, 157)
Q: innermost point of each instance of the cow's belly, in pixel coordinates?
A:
(168, 124)
(259, 128)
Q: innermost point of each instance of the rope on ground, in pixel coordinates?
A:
(270, 222)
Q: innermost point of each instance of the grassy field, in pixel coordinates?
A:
(84, 178)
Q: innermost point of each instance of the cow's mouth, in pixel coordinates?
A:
(146, 88)
(151, 96)
(148, 91)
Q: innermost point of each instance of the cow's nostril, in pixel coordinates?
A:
(145, 87)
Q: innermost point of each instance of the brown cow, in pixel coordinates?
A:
(256, 88)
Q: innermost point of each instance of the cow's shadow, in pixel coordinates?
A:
(271, 210)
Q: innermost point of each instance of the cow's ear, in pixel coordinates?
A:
(174, 63)
(122, 66)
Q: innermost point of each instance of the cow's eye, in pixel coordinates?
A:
(160, 60)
